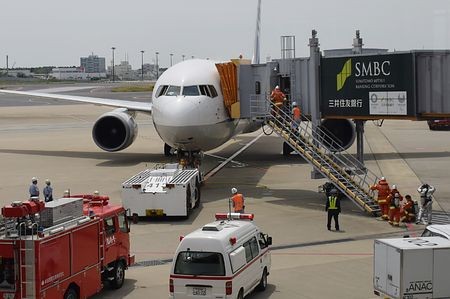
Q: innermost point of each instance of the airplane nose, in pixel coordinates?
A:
(176, 111)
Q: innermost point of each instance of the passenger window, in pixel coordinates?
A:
(109, 226)
(190, 90)
(173, 91)
(161, 90)
(251, 249)
(213, 91)
(204, 90)
(123, 223)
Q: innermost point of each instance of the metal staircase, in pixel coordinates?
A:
(314, 144)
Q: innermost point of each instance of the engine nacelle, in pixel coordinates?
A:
(342, 132)
(115, 130)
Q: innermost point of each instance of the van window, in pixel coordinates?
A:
(429, 233)
(200, 263)
(251, 249)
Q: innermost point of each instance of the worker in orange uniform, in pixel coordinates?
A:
(407, 210)
(383, 191)
(394, 200)
(278, 98)
(296, 116)
(238, 201)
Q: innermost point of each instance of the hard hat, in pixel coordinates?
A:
(333, 191)
(233, 190)
(277, 87)
(47, 181)
(382, 178)
(34, 179)
(394, 186)
(294, 103)
(96, 192)
(66, 193)
(397, 195)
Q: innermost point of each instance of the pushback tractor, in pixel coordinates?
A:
(67, 248)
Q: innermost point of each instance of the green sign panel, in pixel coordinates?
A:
(368, 85)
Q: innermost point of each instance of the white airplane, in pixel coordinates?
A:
(187, 110)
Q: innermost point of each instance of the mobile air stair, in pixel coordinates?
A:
(320, 150)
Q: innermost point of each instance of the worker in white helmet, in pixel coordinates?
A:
(278, 99)
(48, 191)
(296, 117)
(34, 189)
(237, 200)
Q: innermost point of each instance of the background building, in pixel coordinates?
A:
(93, 66)
(68, 73)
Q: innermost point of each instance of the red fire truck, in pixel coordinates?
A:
(67, 248)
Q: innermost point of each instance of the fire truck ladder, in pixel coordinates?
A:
(27, 263)
(340, 167)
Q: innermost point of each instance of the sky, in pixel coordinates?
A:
(59, 32)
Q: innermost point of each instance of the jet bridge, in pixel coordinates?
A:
(337, 91)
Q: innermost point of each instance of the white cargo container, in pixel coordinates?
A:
(412, 268)
(165, 191)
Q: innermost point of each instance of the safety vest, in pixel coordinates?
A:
(332, 200)
(238, 201)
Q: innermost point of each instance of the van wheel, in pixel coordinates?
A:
(263, 282)
(71, 294)
(241, 294)
(197, 194)
(118, 275)
(188, 201)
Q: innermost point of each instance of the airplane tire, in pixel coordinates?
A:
(197, 194)
(167, 150)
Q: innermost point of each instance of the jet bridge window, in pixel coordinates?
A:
(173, 91)
(191, 90)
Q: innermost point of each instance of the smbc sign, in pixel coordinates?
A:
(372, 86)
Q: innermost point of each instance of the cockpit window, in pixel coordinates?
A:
(173, 91)
(204, 90)
(191, 90)
(161, 90)
(213, 91)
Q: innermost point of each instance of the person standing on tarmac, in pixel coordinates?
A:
(237, 200)
(48, 191)
(34, 189)
(426, 201)
(333, 207)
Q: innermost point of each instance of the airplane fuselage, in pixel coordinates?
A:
(188, 109)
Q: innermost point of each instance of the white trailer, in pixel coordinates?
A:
(412, 268)
(164, 191)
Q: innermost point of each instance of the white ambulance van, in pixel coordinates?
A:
(225, 259)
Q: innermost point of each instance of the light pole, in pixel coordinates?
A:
(142, 65)
(171, 56)
(157, 66)
(182, 56)
(113, 74)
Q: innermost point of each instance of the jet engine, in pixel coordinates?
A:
(115, 130)
(340, 133)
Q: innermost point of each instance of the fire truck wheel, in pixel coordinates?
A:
(71, 293)
(263, 282)
(118, 275)
(241, 294)
(135, 218)
(197, 194)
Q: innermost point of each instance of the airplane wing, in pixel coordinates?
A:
(130, 105)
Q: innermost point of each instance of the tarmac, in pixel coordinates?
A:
(51, 139)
